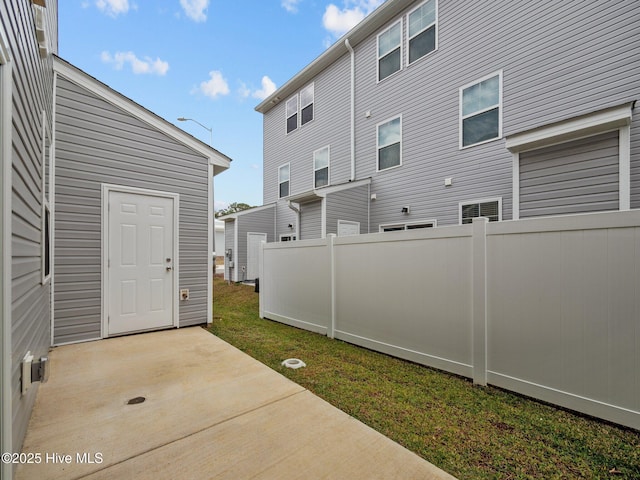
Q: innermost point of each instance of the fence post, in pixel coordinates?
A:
(262, 279)
(332, 272)
(479, 304)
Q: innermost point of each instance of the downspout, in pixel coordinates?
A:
(297, 210)
(353, 109)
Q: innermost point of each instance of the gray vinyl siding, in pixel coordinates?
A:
(311, 220)
(574, 177)
(330, 126)
(32, 93)
(351, 205)
(285, 217)
(589, 53)
(262, 221)
(99, 143)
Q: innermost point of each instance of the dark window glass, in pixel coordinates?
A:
(422, 44)
(307, 114)
(284, 189)
(481, 127)
(47, 246)
(322, 177)
(389, 156)
(292, 123)
(421, 225)
(389, 64)
(488, 209)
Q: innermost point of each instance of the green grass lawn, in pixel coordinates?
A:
(471, 432)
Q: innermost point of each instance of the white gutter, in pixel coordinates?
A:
(353, 109)
(297, 210)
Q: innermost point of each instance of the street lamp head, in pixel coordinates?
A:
(182, 119)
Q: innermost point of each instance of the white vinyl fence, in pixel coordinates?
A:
(546, 307)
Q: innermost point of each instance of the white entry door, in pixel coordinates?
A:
(140, 263)
(253, 254)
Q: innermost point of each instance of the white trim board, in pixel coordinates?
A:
(77, 76)
(104, 240)
(6, 410)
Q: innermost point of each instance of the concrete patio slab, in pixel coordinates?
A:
(210, 411)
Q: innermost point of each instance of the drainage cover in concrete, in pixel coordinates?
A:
(294, 363)
(136, 400)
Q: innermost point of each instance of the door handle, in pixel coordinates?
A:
(168, 269)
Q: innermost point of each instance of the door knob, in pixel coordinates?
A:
(168, 269)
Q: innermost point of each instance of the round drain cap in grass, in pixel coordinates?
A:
(294, 363)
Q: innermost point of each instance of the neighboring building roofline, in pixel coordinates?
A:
(74, 74)
(233, 216)
(372, 23)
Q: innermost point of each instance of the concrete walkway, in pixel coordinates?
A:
(210, 411)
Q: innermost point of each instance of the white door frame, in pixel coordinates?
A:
(104, 234)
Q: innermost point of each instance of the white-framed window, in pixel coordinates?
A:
(288, 237)
(321, 167)
(390, 50)
(292, 113)
(481, 110)
(306, 104)
(490, 208)
(284, 174)
(389, 140)
(394, 227)
(422, 31)
(47, 177)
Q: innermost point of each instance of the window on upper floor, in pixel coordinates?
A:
(492, 209)
(422, 31)
(292, 114)
(306, 104)
(284, 175)
(481, 111)
(390, 50)
(389, 136)
(321, 167)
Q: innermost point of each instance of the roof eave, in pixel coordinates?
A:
(74, 74)
(383, 14)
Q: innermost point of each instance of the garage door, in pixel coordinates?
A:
(573, 177)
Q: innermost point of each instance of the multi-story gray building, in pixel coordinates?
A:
(430, 113)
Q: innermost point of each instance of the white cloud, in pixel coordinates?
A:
(339, 21)
(290, 6)
(138, 66)
(195, 9)
(113, 8)
(268, 87)
(215, 86)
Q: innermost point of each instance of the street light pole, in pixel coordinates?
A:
(182, 119)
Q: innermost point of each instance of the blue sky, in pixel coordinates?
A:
(210, 60)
